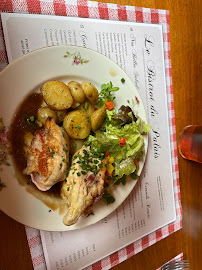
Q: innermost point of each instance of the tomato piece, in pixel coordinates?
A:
(122, 141)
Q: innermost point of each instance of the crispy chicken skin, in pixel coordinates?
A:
(48, 156)
(80, 191)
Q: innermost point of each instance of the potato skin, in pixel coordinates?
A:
(57, 95)
(97, 118)
(90, 91)
(90, 108)
(77, 124)
(45, 112)
(75, 104)
(75, 145)
(77, 92)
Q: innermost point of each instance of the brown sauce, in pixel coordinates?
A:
(18, 129)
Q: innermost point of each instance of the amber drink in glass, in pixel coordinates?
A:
(190, 143)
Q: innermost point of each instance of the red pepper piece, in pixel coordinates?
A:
(109, 105)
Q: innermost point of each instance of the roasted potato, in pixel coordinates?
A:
(57, 95)
(61, 115)
(97, 118)
(77, 124)
(87, 108)
(75, 145)
(45, 112)
(75, 104)
(43, 104)
(77, 92)
(90, 91)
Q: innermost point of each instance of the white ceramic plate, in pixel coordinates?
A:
(26, 75)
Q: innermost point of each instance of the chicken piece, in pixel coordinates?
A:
(82, 188)
(48, 156)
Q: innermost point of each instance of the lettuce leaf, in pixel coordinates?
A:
(123, 155)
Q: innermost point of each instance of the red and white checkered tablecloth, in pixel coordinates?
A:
(89, 9)
(175, 259)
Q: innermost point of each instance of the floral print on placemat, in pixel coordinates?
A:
(77, 59)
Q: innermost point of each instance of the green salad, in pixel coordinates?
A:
(120, 140)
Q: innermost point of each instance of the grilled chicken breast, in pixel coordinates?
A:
(48, 156)
(84, 185)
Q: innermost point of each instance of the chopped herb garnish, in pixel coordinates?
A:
(63, 134)
(78, 127)
(68, 189)
(107, 197)
(63, 160)
(121, 180)
(78, 174)
(105, 93)
(72, 120)
(96, 161)
(86, 105)
(52, 151)
(49, 211)
(74, 183)
(123, 80)
(30, 120)
(65, 180)
(85, 180)
(60, 164)
(65, 149)
(134, 176)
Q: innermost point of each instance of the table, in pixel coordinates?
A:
(185, 54)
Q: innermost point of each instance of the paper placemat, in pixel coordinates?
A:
(111, 12)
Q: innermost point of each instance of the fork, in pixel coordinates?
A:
(178, 265)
